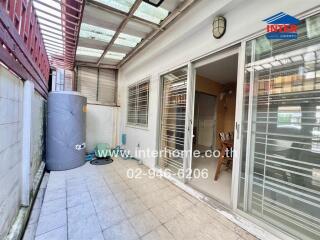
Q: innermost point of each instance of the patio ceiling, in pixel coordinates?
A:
(113, 31)
(59, 22)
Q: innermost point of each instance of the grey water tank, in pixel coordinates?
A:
(66, 130)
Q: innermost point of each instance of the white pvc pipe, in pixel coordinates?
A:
(28, 91)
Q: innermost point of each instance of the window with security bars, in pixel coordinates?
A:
(98, 85)
(138, 104)
(280, 168)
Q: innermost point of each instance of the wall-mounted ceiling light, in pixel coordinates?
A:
(155, 3)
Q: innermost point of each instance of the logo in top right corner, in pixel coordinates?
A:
(282, 26)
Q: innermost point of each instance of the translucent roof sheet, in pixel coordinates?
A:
(96, 33)
(130, 36)
(151, 13)
(115, 55)
(92, 52)
(145, 10)
(123, 5)
(127, 40)
(105, 35)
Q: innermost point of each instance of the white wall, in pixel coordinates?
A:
(11, 92)
(11, 99)
(101, 125)
(37, 132)
(190, 38)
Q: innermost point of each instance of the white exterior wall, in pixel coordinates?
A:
(11, 93)
(37, 132)
(11, 99)
(101, 125)
(188, 39)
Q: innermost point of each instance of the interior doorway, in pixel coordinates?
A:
(204, 127)
(214, 123)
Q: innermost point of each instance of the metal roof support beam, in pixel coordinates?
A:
(59, 19)
(46, 32)
(49, 6)
(65, 39)
(121, 13)
(153, 35)
(60, 50)
(80, 1)
(58, 56)
(82, 5)
(51, 39)
(66, 5)
(53, 22)
(58, 45)
(119, 30)
(56, 28)
(88, 64)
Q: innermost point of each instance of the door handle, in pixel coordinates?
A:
(237, 129)
(189, 125)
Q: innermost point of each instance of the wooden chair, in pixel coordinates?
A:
(226, 141)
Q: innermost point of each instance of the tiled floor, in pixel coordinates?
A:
(101, 202)
(30, 231)
(220, 189)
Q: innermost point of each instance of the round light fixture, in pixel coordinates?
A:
(219, 26)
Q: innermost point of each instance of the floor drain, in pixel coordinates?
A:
(101, 161)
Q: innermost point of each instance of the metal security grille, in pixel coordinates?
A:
(138, 104)
(97, 84)
(173, 114)
(281, 163)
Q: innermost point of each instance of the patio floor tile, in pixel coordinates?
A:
(104, 203)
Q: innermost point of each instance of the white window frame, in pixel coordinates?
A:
(138, 105)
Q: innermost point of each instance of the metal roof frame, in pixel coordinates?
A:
(61, 33)
(61, 28)
(153, 35)
(158, 28)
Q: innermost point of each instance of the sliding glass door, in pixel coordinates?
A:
(280, 168)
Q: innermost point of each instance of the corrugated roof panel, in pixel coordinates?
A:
(151, 13)
(91, 43)
(97, 17)
(115, 55)
(82, 58)
(96, 33)
(105, 35)
(120, 48)
(89, 52)
(123, 5)
(127, 40)
(110, 61)
(100, 24)
(171, 5)
(137, 29)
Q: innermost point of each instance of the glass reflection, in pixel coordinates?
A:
(280, 184)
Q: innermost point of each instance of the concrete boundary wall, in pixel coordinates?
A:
(11, 109)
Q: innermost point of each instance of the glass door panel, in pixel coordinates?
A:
(280, 172)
